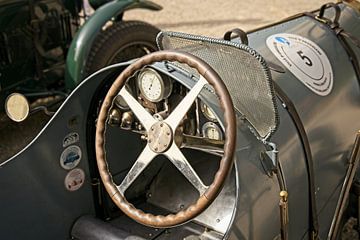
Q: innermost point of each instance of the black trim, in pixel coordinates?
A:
(342, 203)
(290, 107)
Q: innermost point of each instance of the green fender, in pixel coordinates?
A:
(81, 44)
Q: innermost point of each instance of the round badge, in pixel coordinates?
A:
(71, 138)
(74, 179)
(70, 157)
(305, 60)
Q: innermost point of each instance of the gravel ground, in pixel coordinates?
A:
(214, 17)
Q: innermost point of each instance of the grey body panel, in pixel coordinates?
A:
(258, 212)
(33, 199)
(328, 121)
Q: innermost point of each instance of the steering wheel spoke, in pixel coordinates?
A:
(178, 159)
(140, 112)
(212, 146)
(146, 156)
(183, 107)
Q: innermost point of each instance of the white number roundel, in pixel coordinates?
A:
(305, 59)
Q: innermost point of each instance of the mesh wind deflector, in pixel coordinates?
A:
(243, 71)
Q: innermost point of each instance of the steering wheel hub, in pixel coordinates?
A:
(160, 137)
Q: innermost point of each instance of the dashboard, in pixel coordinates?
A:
(159, 94)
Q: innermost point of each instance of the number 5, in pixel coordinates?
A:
(305, 58)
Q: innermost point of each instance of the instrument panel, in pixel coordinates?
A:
(159, 94)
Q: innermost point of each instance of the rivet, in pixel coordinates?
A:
(149, 140)
(156, 149)
(152, 128)
(168, 133)
(165, 145)
(161, 125)
(217, 220)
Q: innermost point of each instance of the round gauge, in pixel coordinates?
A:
(120, 102)
(208, 112)
(212, 131)
(152, 86)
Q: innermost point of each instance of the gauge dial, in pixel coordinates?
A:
(208, 112)
(152, 86)
(212, 131)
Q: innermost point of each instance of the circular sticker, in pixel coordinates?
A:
(70, 157)
(74, 179)
(305, 59)
(71, 138)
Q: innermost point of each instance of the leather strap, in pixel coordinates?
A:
(239, 33)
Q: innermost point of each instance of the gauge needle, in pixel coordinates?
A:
(152, 81)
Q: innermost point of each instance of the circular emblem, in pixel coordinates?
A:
(70, 157)
(71, 138)
(160, 137)
(305, 59)
(74, 179)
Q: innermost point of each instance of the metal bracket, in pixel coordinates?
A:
(273, 153)
(269, 158)
(284, 215)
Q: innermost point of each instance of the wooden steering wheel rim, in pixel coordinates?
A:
(226, 162)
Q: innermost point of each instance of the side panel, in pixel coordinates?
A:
(258, 212)
(33, 198)
(330, 120)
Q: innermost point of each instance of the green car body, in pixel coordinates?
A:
(81, 45)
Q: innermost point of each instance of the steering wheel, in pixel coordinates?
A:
(161, 140)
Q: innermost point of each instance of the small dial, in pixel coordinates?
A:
(208, 112)
(212, 131)
(152, 86)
